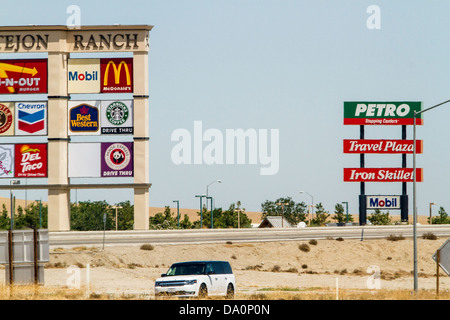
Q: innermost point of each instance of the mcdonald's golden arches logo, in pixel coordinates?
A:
(116, 75)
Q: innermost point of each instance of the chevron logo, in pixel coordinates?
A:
(31, 122)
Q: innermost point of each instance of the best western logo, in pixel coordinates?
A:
(83, 118)
(383, 202)
(381, 113)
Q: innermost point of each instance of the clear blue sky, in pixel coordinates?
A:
(286, 65)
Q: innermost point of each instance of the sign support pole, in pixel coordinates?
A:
(362, 196)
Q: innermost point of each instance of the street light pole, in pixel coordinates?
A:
(211, 199)
(178, 212)
(346, 207)
(282, 204)
(414, 192)
(312, 202)
(212, 182)
(431, 203)
(201, 209)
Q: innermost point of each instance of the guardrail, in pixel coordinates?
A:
(138, 237)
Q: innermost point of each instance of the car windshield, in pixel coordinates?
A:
(183, 269)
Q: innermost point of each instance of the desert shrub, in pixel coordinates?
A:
(394, 237)
(313, 242)
(148, 247)
(429, 236)
(304, 247)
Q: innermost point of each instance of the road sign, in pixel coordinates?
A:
(444, 257)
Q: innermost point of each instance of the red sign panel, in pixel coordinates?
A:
(23, 76)
(116, 75)
(382, 146)
(30, 160)
(382, 175)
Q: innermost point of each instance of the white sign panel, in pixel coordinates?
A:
(6, 161)
(383, 202)
(84, 160)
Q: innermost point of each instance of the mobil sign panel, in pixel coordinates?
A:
(23, 76)
(382, 113)
(383, 202)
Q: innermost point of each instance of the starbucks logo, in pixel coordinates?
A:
(117, 113)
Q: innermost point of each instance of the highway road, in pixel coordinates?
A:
(195, 236)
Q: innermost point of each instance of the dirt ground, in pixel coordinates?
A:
(348, 264)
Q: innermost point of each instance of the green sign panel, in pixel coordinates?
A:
(382, 113)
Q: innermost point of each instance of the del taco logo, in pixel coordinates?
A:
(84, 118)
(381, 113)
(31, 160)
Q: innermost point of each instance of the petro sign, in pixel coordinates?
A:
(381, 113)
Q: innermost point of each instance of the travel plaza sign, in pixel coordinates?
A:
(382, 114)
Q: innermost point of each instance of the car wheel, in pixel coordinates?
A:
(230, 291)
(203, 291)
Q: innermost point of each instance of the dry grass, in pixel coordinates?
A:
(32, 292)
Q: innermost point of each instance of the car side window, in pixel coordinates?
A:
(226, 268)
(209, 268)
(218, 268)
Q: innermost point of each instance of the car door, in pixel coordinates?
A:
(213, 278)
(220, 278)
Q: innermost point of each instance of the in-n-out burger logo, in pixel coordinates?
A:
(31, 160)
(381, 113)
(381, 146)
(382, 175)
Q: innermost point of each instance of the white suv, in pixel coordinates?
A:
(197, 279)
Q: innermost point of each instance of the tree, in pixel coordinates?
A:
(226, 218)
(163, 220)
(5, 221)
(443, 217)
(321, 215)
(339, 216)
(88, 215)
(293, 212)
(380, 218)
(125, 215)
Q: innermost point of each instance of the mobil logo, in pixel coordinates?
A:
(86, 76)
(83, 76)
(383, 202)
